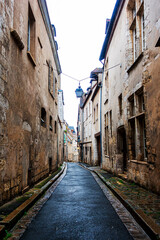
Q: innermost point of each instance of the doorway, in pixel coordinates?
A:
(122, 145)
(99, 149)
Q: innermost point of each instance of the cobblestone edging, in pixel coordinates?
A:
(8, 222)
(152, 229)
(133, 228)
(147, 224)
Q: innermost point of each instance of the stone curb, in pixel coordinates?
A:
(148, 225)
(8, 222)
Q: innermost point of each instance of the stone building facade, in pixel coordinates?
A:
(131, 54)
(61, 124)
(29, 83)
(89, 121)
(72, 144)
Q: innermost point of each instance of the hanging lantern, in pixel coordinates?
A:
(79, 91)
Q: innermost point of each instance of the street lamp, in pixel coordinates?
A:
(79, 91)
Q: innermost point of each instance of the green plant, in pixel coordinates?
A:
(8, 235)
(25, 213)
(120, 180)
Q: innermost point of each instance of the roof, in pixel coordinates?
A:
(95, 72)
(110, 28)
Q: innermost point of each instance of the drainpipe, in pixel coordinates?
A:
(57, 143)
(82, 131)
(101, 85)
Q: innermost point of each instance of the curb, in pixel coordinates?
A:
(148, 225)
(8, 222)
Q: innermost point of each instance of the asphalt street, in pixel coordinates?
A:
(77, 209)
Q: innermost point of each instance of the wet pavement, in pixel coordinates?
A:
(77, 209)
(138, 197)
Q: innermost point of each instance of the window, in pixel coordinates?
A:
(86, 150)
(143, 33)
(120, 104)
(158, 43)
(50, 123)
(131, 106)
(51, 79)
(55, 127)
(106, 85)
(132, 138)
(137, 127)
(49, 75)
(142, 154)
(111, 122)
(136, 36)
(106, 134)
(97, 112)
(141, 106)
(43, 117)
(135, 44)
(31, 33)
(134, 11)
(54, 86)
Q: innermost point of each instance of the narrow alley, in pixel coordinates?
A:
(77, 209)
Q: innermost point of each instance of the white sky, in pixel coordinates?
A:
(80, 28)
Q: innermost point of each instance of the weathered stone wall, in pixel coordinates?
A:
(128, 80)
(25, 145)
(95, 126)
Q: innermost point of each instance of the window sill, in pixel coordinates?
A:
(140, 114)
(136, 116)
(135, 63)
(139, 162)
(31, 58)
(17, 39)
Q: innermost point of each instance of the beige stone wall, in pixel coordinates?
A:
(95, 127)
(25, 146)
(128, 80)
(87, 146)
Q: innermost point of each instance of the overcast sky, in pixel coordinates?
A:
(80, 28)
